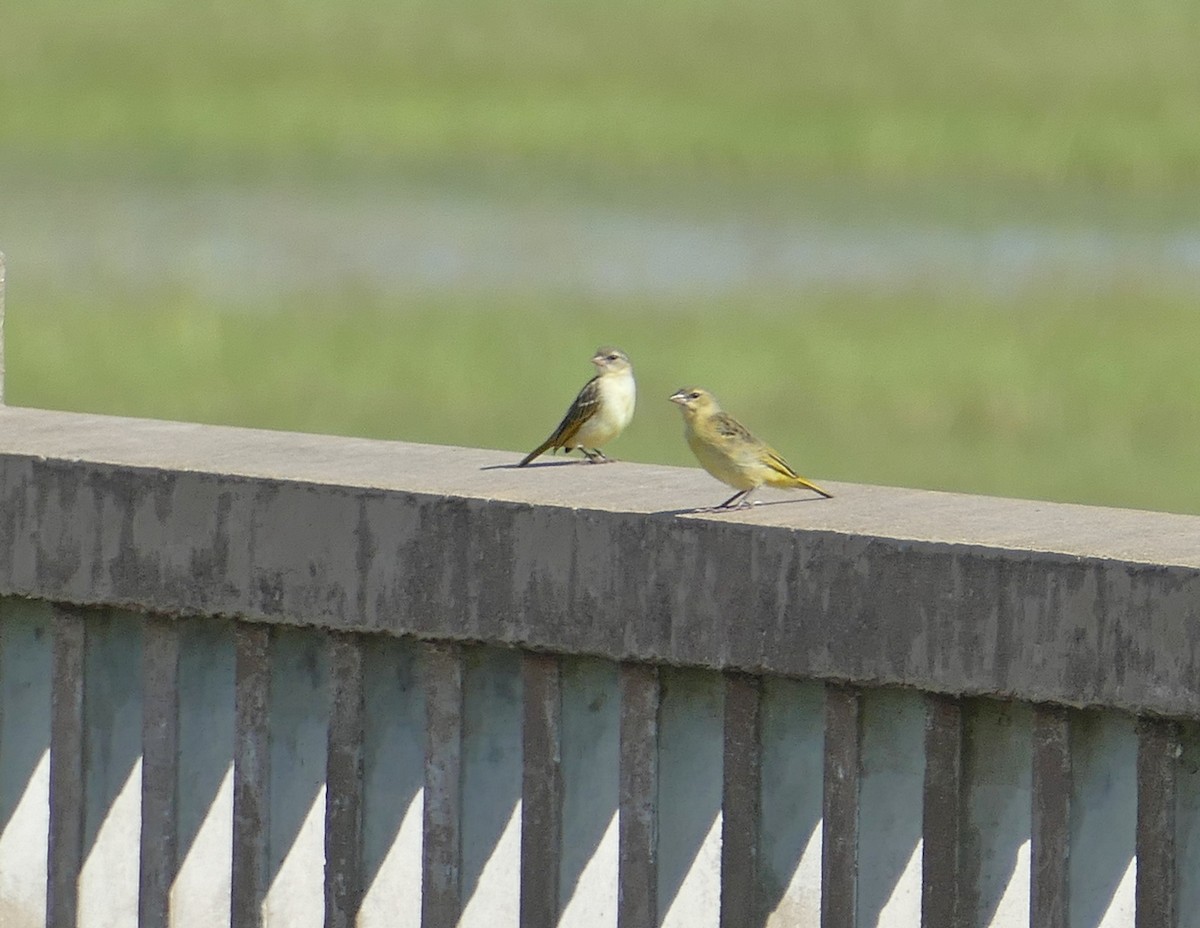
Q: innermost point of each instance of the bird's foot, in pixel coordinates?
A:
(739, 500)
(726, 507)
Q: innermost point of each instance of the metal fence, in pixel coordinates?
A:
(256, 678)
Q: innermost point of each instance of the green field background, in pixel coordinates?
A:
(1084, 113)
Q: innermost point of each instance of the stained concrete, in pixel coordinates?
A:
(949, 593)
(894, 588)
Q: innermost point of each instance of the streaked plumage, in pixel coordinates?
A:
(727, 450)
(601, 411)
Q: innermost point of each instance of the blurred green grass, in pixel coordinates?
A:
(1080, 400)
(917, 108)
(758, 94)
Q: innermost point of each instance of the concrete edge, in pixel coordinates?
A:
(965, 617)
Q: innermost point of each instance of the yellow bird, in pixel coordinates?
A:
(727, 450)
(600, 412)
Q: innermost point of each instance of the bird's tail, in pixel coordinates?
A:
(536, 451)
(784, 476)
(808, 485)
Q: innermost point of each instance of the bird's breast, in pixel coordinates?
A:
(715, 457)
(621, 395)
(614, 411)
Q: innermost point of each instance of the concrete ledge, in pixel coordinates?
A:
(948, 593)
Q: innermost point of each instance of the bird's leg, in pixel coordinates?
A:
(595, 455)
(739, 498)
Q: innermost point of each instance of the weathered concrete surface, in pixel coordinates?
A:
(949, 593)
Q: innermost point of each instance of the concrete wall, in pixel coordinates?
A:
(260, 678)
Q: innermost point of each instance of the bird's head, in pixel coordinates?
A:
(609, 359)
(694, 400)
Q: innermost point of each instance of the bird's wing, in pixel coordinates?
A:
(733, 433)
(779, 465)
(730, 430)
(584, 407)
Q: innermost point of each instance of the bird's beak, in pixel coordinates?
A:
(680, 398)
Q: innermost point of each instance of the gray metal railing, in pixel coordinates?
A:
(262, 678)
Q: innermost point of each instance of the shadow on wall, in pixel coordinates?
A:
(591, 722)
(112, 749)
(25, 681)
(25, 675)
(1103, 818)
(691, 753)
(996, 840)
(393, 779)
(793, 739)
(491, 785)
(205, 778)
(891, 793)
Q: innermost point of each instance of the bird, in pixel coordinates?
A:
(728, 451)
(601, 411)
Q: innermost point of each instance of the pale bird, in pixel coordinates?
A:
(601, 411)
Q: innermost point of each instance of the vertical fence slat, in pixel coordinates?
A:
(1157, 900)
(942, 816)
(343, 783)
(741, 801)
(839, 827)
(541, 790)
(1050, 820)
(160, 770)
(66, 768)
(441, 869)
(637, 879)
(251, 774)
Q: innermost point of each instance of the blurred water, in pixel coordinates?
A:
(244, 246)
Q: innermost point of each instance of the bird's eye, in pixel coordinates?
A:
(612, 357)
(694, 395)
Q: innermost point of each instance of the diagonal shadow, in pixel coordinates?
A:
(112, 706)
(891, 795)
(793, 757)
(590, 772)
(25, 692)
(691, 759)
(491, 770)
(393, 777)
(998, 775)
(299, 725)
(1103, 812)
(533, 465)
(206, 724)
